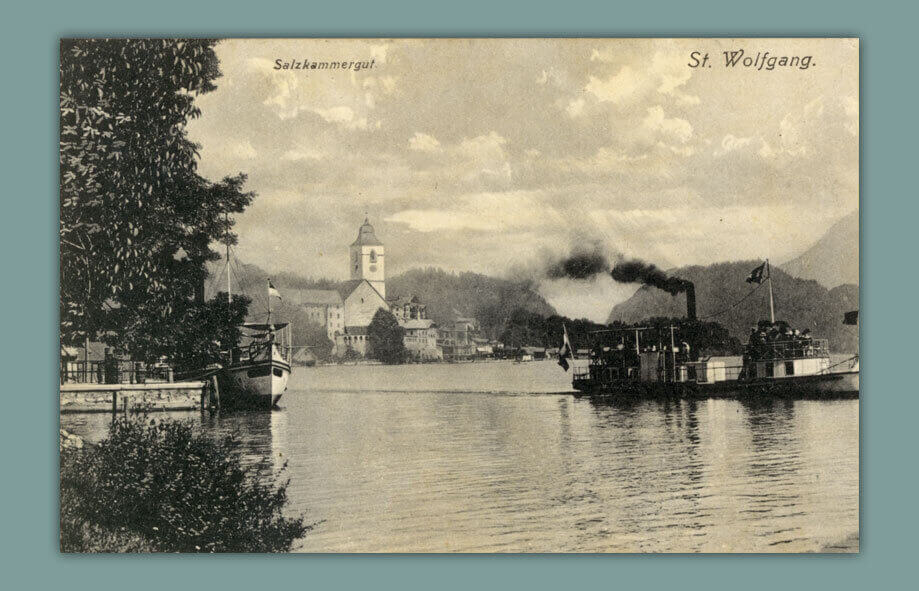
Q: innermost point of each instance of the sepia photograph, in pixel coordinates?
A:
(459, 295)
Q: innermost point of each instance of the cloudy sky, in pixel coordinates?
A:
(490, 155)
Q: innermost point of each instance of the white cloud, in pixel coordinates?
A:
(674, 127)
(343, 115)
(243, 150)
(483, 212)
(485, 155)
(378, 52)
(730, 143)
(671, 70)
(301, 154)
(617, 88)
(575, 107)
(423, 142)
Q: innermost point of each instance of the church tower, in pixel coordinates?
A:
(367, 258)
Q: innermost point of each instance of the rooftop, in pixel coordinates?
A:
(366, 236)
(416, 324)
(319, 296)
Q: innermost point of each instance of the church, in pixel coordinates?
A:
(346, 312)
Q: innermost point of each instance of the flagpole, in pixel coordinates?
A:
(268, 322)
(771, 301)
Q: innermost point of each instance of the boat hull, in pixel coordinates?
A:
(254, 385)
(830, 385)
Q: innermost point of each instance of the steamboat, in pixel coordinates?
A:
(777, 360)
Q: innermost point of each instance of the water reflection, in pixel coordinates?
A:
(447, 471)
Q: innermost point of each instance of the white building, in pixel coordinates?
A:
(326, 308)
(348, 310)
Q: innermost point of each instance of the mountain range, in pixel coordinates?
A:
(833, 259)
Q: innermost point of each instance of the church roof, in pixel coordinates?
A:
(365, 236)
(346, 288)
(319, 296)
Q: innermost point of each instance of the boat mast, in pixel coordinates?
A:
(771, 301)
(226, 220)
(226, 238)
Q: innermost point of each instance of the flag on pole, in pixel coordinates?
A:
(758, 274)
(565, 351)
(850, 317)
(272, 291)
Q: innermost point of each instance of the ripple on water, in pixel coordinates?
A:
(533, 470)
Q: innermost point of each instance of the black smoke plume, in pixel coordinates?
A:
(582, 264)
(635, 271)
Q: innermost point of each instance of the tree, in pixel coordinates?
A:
(212, 327)
(385, 338)
(137, 221)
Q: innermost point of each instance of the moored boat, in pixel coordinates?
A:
(257, 375)
(255, 372)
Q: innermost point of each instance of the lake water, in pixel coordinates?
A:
(500, 457)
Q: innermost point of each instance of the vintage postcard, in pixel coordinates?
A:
(459, 295)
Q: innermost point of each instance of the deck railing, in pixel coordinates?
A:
(788, 349)
(114, 372)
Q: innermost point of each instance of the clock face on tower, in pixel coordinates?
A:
(373, 268)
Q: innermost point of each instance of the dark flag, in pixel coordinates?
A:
(850, 317)
(757, 275)
(565, 351)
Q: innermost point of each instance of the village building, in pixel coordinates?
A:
(407, 308)
(457, 341)
(361, 302)
(347, 311)
(325, 308)
(421, 336)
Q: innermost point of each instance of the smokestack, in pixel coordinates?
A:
(690, 300)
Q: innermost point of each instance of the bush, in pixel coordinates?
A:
(156, 485)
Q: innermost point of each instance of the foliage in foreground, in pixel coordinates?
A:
(137, 221)
(157, 485)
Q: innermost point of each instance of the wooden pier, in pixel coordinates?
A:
(201, 394)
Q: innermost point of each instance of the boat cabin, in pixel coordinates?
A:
(634, 355)
(775, 350)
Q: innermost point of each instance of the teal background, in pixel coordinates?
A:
(29, 246)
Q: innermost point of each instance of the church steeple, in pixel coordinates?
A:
(367, 258)
(365, 235)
